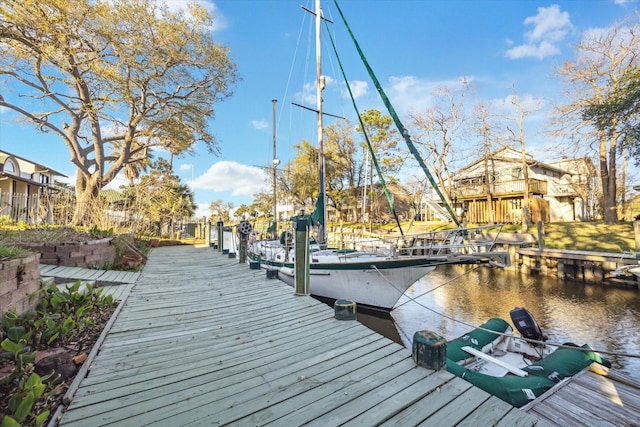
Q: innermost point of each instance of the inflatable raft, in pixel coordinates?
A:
(511, 368)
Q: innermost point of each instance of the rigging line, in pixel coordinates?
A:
(315, 111)
(291, 68)
(402, 331)
(393, 285)
(403, 131)
(437, 287)
(550, 343)
(366, 137)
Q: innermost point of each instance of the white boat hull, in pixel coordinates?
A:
(376, 277)
(369, 287)
(374, 281)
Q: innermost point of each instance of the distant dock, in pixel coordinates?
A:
(201, 339)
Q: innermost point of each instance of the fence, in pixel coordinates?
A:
(121, 216)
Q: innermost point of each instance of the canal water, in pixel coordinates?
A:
(454, 299)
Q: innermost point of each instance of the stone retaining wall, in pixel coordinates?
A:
(89, 254)
(19, 284)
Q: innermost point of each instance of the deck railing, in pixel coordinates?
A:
(512, 188)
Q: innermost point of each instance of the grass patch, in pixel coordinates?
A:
(590, 236)
(12, 252)
(594, 236)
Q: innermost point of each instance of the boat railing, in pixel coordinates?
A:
(440, 242)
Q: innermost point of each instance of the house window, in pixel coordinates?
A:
(516, 173)
(10, 167)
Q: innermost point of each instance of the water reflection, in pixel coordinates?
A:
(606, 318)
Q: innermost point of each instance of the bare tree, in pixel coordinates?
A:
(483, 125)
(603, 56)
(519, 137)
(440, 128)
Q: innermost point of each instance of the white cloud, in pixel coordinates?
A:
(550, 26)
(358, 88)
(410, 94)
(241, 180)
(540, 51)
(259, 124)
(308, 95)
(219, 20)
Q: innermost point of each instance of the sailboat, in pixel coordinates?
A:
(373, 275)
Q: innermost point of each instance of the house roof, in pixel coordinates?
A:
(111, 195)
(508, 154)
(42, 167)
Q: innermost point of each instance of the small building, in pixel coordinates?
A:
(494, 189)
(26, 188)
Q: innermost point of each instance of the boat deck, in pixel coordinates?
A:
(202, 339)
(596, 396)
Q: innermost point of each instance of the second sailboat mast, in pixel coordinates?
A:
(322, 231)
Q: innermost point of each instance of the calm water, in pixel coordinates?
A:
(606, 318)
(454, 299)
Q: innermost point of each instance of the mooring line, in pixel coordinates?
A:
(551, 343)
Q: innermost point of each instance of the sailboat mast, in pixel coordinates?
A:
(322, 232)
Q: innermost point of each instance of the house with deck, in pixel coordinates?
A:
(494, 189)
(26, 188)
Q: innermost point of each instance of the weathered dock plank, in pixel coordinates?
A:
(118, 292)
(78, 273)
(595, 396)
(429, 404)
(203, 340)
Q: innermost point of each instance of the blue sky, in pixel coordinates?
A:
(412, 45)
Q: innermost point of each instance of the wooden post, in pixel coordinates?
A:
(302, 260)
(636, 232)
(207, 233)
(540, 235)
(242, 250)
(220, 225)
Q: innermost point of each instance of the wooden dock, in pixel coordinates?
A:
(111, 277)
(203, 340)
(594, 397)
(118, 284)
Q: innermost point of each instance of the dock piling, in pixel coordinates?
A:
(302, 269)
(429, 350)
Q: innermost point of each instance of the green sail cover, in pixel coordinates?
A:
(317, 217)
